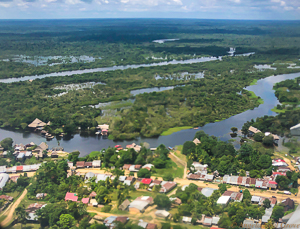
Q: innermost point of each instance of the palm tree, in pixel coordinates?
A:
(21, 214)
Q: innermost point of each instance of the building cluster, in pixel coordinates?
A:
(252, 130)
(267, 182)
(285, 222)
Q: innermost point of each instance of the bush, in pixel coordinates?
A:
(162, 201)
(259, 137)
(144, 173)
(106, 208)
(168, 177)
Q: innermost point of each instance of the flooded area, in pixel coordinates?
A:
(50, 60)
(105, 69)
(86, 143)
(161, 41)
(262, 67)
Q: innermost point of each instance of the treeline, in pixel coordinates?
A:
(223, 157)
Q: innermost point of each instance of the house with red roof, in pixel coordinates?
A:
(85, 200)
(20, 168)
(71, 196)
(147, 181)
(279, 174)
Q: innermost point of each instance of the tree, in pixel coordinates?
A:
(168, 177)
(264, 162)
(224, 222)
(258, 137)
(268, 140)
(269, 224)
(188, 147)
(234, 129)
(84, 223)
(246, 195)
(282, 182)
(144, 173)
(222, 188)
(21, 215)
(267, 203)
(6, 143)
(278, 212)
(200, 134)
(162, 201)
(245, 129)
(66, 221)
(102, 195)
(74, 157)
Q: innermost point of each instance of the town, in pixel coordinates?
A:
(124, 188)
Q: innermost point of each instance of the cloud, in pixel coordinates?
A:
(6, 0)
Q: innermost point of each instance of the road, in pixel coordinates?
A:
(12, 209)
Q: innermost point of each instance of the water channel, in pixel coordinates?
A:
(105, 69)
(85, 144)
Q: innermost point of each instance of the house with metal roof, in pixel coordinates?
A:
(251, 224)
(3, 169)
(89, 175)
(4, 177)
(259, 183)
(162, 213)
(267, 215)
(21, 156)
(102, 177)
(207, 191)
(223, 200)
(255, 199)
(96, 164)
(215, 220)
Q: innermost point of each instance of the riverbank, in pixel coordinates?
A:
(175, 129)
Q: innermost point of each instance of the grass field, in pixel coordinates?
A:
(253, 96)
(176, 170)
(175, 129)
(254, 82)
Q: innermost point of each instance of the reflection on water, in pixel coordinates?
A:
(86, 144)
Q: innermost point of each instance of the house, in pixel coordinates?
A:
(21, 156)
(80, 164)
(162, 213)
(276, 139)
(252, 130)
(207, 191)
(151, 226)
(11, 169)
(85, 200)
(71, 196)
(148, 166)
(207, 221)
(109, 221)
(19, 168)
(140, 204)
(129, 180)
(96, 163)
(28, 154)
(258, 183)
(196, 141)
(40, 195)
(122, 178)
(102, 177)
(126, 166)
(175, 200)
(122, 219)
(272, 185)
(14, 178)
(215, 220)
(54, 154)
(37, 124)
(43, 146)
(283, 169)
(236, 196)
(255, 199)
(32, 208)
(142, 224)
(88, 164)
(295, 130)
(146, 181)
(267, 215)
(167, 186)
(26, 168)
(124, 205)
(155, 182)
(7, 198)
(103, 126)
(288, 204)
(294, 220)
(192, 176)
(94, 202)
(233, 180)
(199, 167)
(89, 175)
(186, 219)
(93, 195)
(3, 169)
(223, 200)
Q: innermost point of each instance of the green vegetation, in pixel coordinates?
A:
(175, 129)
(202, 100)
(254, 82)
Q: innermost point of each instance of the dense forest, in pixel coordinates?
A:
(194, 102)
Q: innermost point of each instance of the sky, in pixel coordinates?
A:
(202, 9)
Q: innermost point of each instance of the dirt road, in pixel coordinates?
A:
(12, 209)
(179, 161)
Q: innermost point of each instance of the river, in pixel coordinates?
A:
(105, 69)
(86, 144)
